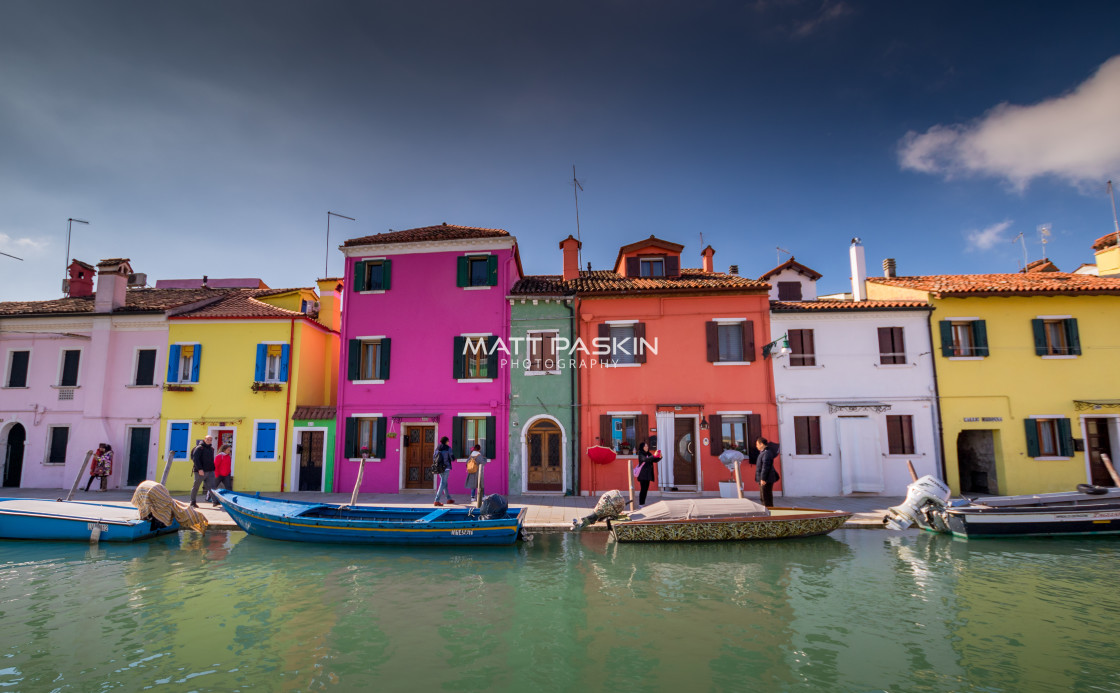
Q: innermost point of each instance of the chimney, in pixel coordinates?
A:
(571, 247)
(708, 253)
(1106, 250)
(330, 303)
(859, 271)
(734, 269)
(112, 284)
(80, 283)
(888, 268)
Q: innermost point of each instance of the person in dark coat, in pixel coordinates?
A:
(203, 458)
(764, 472)
(646, 464)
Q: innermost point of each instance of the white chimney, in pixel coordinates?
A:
(859, 271)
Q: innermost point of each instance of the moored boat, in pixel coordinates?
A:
(723, 519)
(32, 518)
(292, 520)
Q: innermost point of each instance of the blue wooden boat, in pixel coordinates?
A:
(33, 518)
(293, 520)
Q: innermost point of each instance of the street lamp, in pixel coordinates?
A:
(782, 341)
(69, 223)
(326, 261)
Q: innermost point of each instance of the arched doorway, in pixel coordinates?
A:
(544, 447)
(13, 455)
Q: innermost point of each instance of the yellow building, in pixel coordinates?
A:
(1028, 375)
(238, 367)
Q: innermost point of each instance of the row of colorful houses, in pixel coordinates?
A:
(998, 383)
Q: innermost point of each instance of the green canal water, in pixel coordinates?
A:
(857, 610)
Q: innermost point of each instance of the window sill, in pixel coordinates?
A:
(1057, 357)
(368, 459)
(731, 363)
(902, 455)
(967, 358)
(1051, 459)
(475, 380)
(532, 373)
(477, 288)
(806, 456)
(621, 365)
(367, 382)
(263, 459)
(805, 368)
(16, 387)
(144, 387)
(372, 291)
(895, 365)
(67, 387)
(54, 464)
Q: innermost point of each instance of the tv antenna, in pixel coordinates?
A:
(1021, 237)
(11, 256)
(1115, 223)
(576, 190)
(779, 252)
(1044, 235)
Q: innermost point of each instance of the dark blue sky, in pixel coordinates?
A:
(212, 138)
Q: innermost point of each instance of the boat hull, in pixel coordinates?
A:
(787, 523)
(44, 520)
(285, 520)
(1005, 522)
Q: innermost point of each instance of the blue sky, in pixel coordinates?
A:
(212, 138)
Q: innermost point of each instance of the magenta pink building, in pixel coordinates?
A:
(424, 320)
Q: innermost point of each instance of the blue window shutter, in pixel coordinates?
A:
(946, 338)
(980, 338)
(266, 441)
(1032, 437)
(1073, 337)
(285, 356)
(385, 344)
(173, 355)
(178, 442)
(196, 363)
(262, 359)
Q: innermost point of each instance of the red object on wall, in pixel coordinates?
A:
(600, 454)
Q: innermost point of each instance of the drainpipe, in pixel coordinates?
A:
(937, 399)
(288, 402)
(575, 404)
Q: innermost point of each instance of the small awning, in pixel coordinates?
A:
(1083, 404)
(314, 413)
(834, 407)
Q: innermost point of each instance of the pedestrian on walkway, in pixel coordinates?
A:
(94, 463)
(223, 468)
(105, 465)
(441, 470)
(646, 463)
(203, 458)
(474, 468)
(764, 472)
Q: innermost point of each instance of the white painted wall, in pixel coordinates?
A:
(808, 286)
(848, 370)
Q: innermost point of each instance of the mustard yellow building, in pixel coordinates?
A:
(1028, 373)
(239, 367)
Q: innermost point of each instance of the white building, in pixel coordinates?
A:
(855, 389)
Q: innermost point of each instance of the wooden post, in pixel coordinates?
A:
(1111, 470)
(166, 468)
(78, 479)
(913, 474)
(630, 482)
(478, 487)
(358, 483)
(738, 479)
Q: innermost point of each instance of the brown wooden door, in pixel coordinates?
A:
(311, 461)
(544, 444)
(1097, 441)
(420, 443)
(684, 452)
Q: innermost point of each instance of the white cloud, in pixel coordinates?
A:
(1075, 137)
(987, 238)
(21, 244)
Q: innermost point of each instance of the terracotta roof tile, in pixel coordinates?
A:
(606, 282)
(314, 413)
(443, 232)
(843, 306)
(136, 301)
(243, 303)
(1106, 241)
(1030, 283)
(795, 266)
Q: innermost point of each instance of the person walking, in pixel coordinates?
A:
(474, 468)
(646, 464)
(441, 468)
(203, 458)
(94, 465)
(105, 465)
(223, 468)
(764, 472)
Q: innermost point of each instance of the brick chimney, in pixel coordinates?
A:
(571, 247)
(330, 303)
(112, 284)
(708, 253)
(81, 279)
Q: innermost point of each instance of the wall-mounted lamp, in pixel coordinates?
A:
(783, 347)
(703, 423)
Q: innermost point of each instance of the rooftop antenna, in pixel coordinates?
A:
(327, 259)
(11, 256)
(1115, 223)
(781, 250)
(576, 190)
(1020, 237)
(1044, 233)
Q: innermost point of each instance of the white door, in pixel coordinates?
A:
(861, 464)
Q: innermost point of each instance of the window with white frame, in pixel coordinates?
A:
(264, 440)
(272, 364)
(652, 266)
(369, 362)
(735, 433)
(145, 367)
(623, 343)
(730, 341)
(57, 439)
(542, 352)
(17, 368)
(183, 362)
(68, 375)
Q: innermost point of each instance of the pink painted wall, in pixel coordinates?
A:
(422, 313)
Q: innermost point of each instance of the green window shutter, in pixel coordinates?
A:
(350, 446)
(980, 338)
(379, 446)
(360, 276)
(457, 437)
(492, 267)
(384, 366)
(354, 360)
(491, 358)
(491, 450)
(1065, 438)
(462, 275)
(1073, 337)
(460, 343)
(1032, 437)
(946, 338)
(1038, 327)
(386, 274)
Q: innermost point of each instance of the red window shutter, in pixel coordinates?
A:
(672, 266)
(604, 333)
(605, 430)
(711, 329)
(748, 340)
(641, 430)
(633, 267)
(715, 431)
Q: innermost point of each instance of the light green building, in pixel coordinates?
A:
(543, 381)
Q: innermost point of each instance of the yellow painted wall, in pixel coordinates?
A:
(1108, 261)
(1013, 383)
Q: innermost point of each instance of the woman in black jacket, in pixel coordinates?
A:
(764, 472)
(646, 463)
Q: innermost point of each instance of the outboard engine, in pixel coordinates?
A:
(494, 507)
(927, 490)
